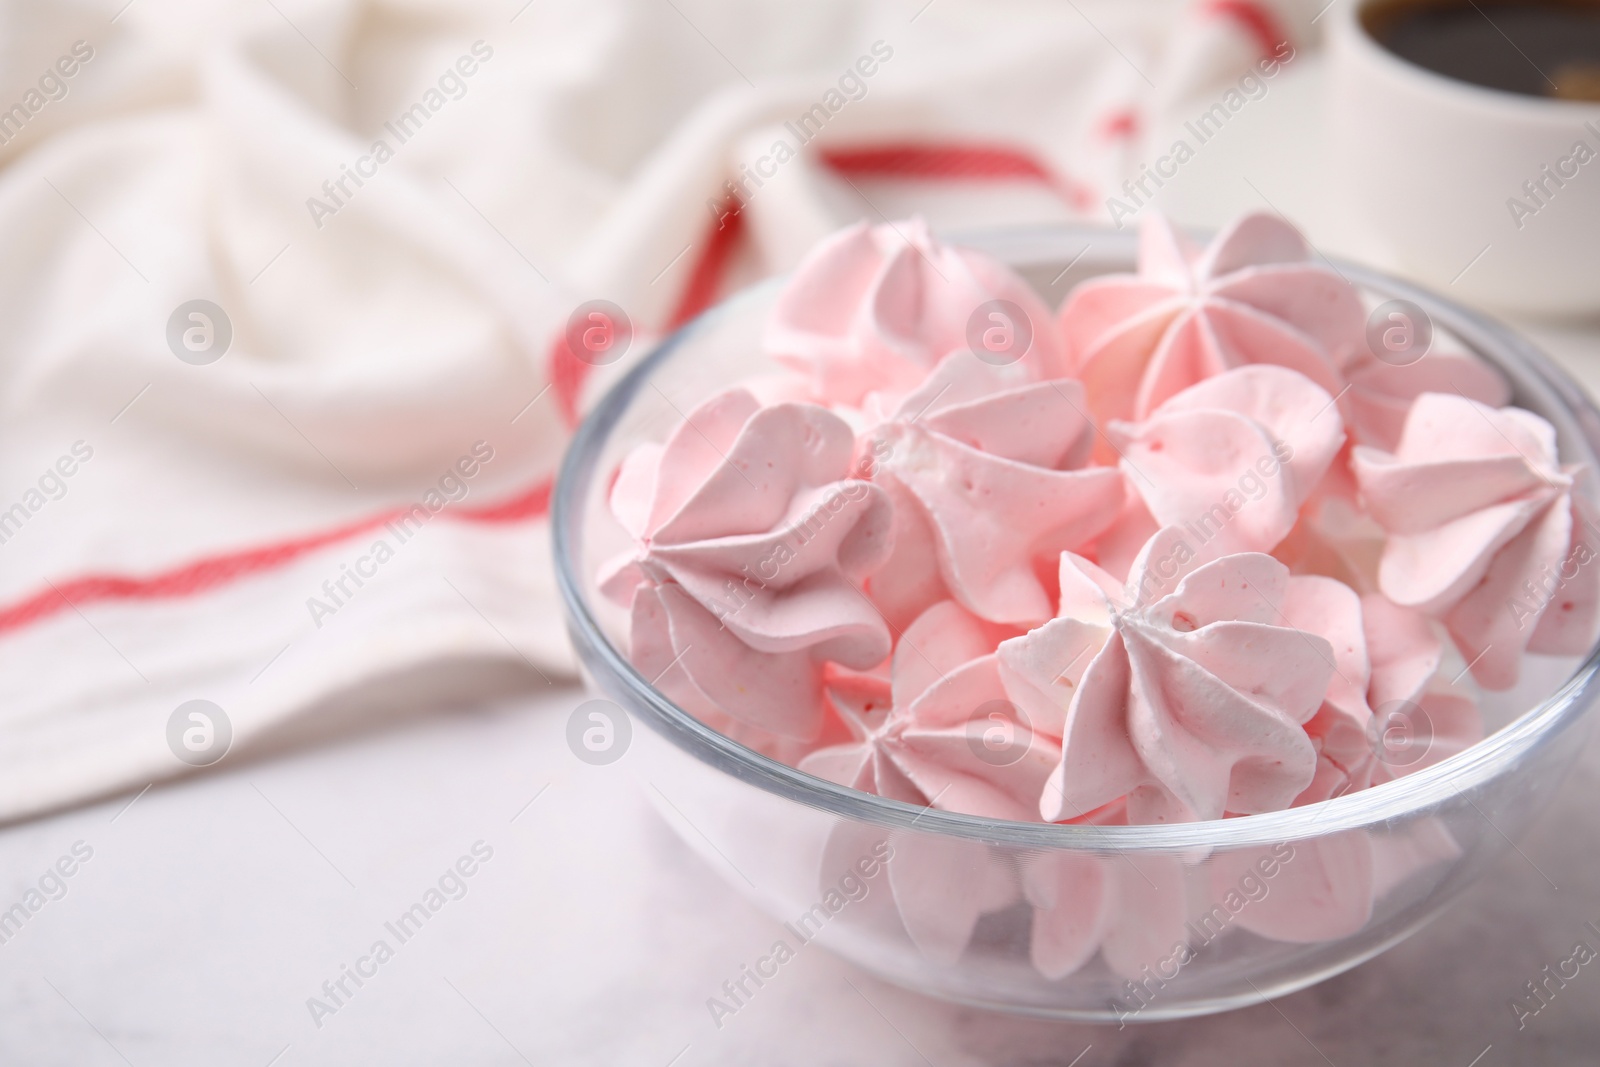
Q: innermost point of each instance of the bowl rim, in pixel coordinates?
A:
(1401, 798)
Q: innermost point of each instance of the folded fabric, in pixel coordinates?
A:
(298, 299)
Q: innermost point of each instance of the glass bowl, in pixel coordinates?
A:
(1131, 923)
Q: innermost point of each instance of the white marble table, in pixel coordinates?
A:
(212, 909)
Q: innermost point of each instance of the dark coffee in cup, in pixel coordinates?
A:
(1548, 48)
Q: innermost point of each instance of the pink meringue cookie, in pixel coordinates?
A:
(1340, 728)
(939, 886)
(1419, 710)
(1390, 658)
(1321, 891)
(1400, 855)
(1232, 458)
(1381, 393)
(920, 737)
(876, 307)
(927, 742)
(1186, 691)
(942, 886)
(749, 537)
(1328, 887)
(1253, 296)
(1131, 908)
(1324, 888)
(1420, 716)
(1335, 536)
(1116, 549)
(1424, 711)
(988, 483)
(1486, 532)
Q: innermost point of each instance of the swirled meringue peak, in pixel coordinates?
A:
(989, 483)
(874, 308)
(941, 730)
(1381, 393)
(748, 538)
(1413, 714)
(1252, 296)
(1232, 458)
(1423, 711)
(1186, 690)
(1486, 531)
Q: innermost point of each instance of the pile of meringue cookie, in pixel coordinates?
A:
(1187, 549)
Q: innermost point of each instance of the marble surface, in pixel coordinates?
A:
(211, 909)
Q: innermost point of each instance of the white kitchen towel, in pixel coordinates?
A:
(284, 288)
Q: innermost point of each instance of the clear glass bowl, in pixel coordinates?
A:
(1187, 918)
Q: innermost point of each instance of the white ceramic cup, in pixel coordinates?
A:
(1484, 194)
